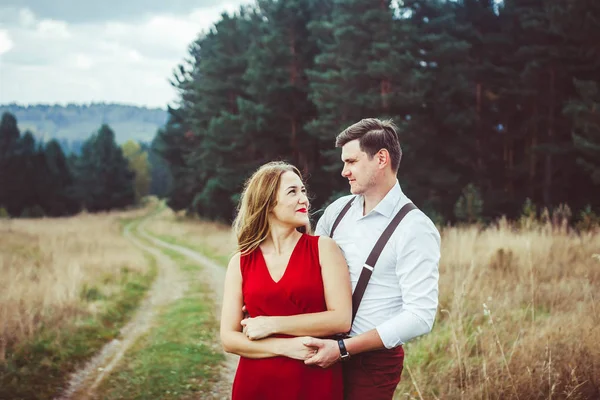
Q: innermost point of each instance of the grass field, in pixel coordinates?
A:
(67, 286)
(212, 239)
(519, 313)
(518, 316)
(180, 358)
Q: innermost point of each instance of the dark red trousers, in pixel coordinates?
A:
(373, 375)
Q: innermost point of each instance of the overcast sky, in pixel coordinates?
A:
(84, 51)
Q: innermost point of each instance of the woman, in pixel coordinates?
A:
(292, 284)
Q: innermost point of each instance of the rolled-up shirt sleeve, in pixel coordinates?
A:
(417, 271)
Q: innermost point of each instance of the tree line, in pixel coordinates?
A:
(71, 124)
(37, 179)
(496, 102)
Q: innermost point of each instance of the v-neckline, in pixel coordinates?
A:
(287, 266)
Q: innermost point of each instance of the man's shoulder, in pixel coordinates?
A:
(330, 213)
(417, 222)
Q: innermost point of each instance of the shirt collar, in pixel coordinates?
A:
(387, 205)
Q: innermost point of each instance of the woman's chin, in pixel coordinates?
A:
(301, 221)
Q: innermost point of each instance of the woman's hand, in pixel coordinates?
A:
(297, 349)
(259, 327)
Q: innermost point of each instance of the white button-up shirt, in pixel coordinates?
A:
(401, 298)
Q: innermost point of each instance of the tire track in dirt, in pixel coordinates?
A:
(168, 286)
(215, 277)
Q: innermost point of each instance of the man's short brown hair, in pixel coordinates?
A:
(374, 135)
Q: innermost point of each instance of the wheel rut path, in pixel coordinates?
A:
(170, 284)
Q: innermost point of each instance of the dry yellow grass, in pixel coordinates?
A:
(518, 318)
(519, 312)
(213, 238)
(48, 266)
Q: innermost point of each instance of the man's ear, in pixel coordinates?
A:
(383, 158)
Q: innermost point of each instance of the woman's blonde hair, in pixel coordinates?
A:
(259, 197)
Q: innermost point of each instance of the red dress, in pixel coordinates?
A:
(299, 291)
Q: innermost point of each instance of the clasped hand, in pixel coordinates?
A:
(258, 327)
(312, 351)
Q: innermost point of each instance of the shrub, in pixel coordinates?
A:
(469, 206)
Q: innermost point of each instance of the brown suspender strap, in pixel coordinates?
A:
(369, 265)
(340, 216)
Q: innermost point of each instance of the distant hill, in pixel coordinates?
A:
(74, 123)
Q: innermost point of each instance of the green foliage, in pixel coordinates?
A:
(33, 212)
(477, 89)
(588, 220)
(469, 206)
(585, 113)
(172, 145)
(138, 163)
(91, 293)
(503, 95)
(529, 217)
(9, 135)
(3, 213)
(36, 179)
(529, 209)
(102, 177)
(436, 217)
(57, 181)
(160, 176)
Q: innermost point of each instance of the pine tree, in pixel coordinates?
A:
(545, 84)
(498, 94)
(585, 112)
(576, 22)
(278, 108)
(216, 164)
(172, 144)
(9, 136)
(353, 76)
(57, 178)
(160, 177)
(29, 163)
(439, 123)
(277, 84)
(103, 180)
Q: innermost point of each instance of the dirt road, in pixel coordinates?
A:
(169, 285)
(215, 276)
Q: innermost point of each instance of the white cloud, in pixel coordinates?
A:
(26, 18)
(135, 56)
(83, 61)
(51, 29)
(51, 61)
(5, 43)
(80, 11)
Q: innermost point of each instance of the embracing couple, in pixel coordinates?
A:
(325, 316)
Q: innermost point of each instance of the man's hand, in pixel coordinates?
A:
(246, 316)
(296, 348)
(328, 352)
(259, 327)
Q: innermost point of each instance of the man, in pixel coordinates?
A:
(401, 298)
